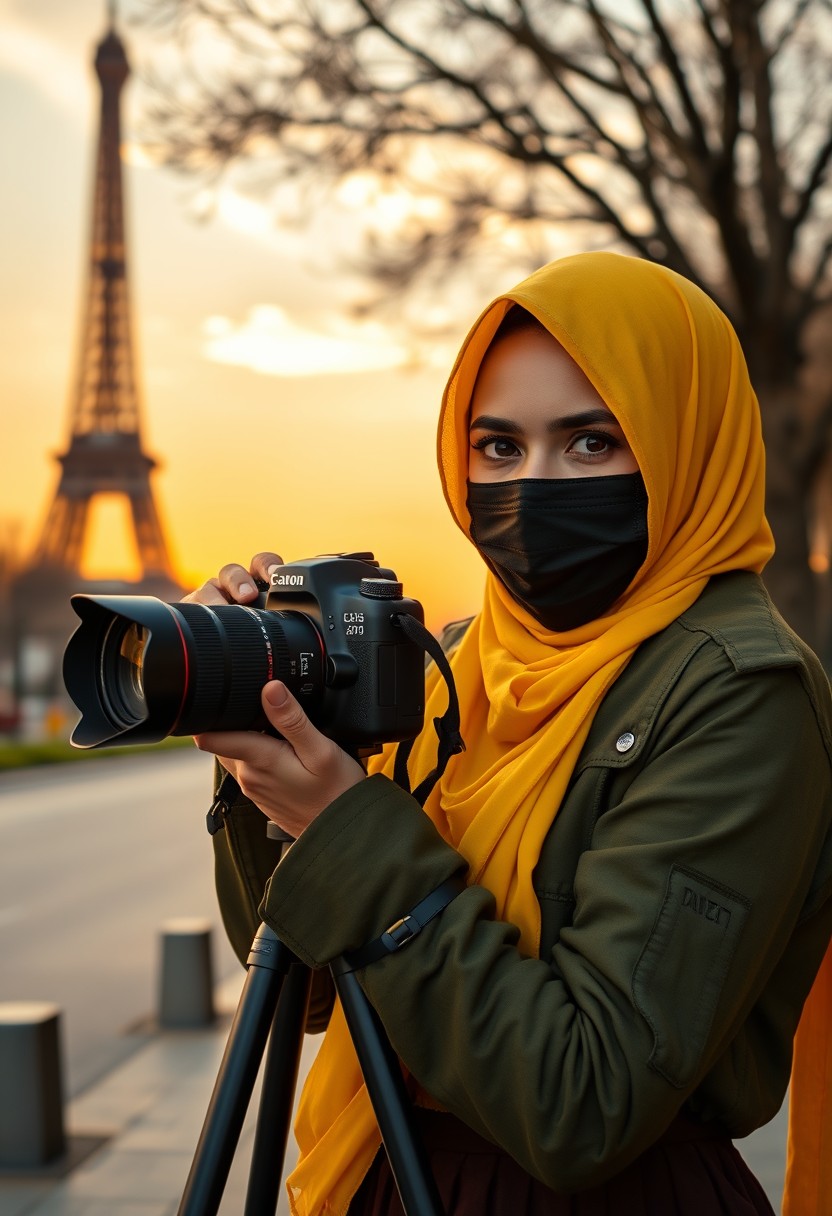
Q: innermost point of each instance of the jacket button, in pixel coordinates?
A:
(624, 742)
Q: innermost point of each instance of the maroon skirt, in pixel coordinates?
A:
(690, 1171)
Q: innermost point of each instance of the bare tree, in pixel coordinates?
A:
(697, 133)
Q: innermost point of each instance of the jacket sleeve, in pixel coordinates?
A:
(686, 897)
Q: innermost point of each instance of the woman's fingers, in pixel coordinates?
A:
(209, 593)
(235, 584)
(291, 778)
(262, 565)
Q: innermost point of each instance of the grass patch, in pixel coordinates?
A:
(60, 751)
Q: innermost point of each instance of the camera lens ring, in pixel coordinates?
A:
(236, 650)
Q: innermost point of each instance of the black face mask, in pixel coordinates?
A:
(565, 548)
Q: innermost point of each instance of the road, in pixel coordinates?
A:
(94, 857)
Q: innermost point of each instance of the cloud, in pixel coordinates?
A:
(269, 342)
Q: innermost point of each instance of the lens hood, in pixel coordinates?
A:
(165, 669)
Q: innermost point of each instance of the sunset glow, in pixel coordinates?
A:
(110, 551)
(278, 419)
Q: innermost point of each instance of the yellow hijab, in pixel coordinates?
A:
(668, 364)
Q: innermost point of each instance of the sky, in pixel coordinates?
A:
(277, 422)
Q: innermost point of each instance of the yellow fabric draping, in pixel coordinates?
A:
(808, 1189)
(668, 364)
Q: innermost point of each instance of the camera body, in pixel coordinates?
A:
(139, 669)
(372, 687)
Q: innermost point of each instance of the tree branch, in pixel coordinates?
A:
(671, 61)
(337, 87)
(783, 36)
(814, 182)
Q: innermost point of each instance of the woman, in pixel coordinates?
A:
(642, 812)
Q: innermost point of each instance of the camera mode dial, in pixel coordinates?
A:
(380, 589)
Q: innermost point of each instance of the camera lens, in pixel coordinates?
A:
(140, 669)
(122, 682)
(235, 651)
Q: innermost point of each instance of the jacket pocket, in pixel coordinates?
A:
(679, 977)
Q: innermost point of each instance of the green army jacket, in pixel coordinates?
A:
(685, 888)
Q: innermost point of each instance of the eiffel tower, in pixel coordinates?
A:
(105, 453)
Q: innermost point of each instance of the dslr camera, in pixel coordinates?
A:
(139, 669)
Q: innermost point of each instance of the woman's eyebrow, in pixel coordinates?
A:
(487, 422)
(567, 422)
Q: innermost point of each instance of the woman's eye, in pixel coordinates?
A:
(596, 443)
(492, 447)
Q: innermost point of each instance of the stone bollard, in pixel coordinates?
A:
(186, 989)
(31, 1088)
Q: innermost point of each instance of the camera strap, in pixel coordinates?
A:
(227, 792)
(451, 742)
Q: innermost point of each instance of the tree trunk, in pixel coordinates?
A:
(794, 587)
(796, 590)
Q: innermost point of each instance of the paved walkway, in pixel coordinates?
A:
(139, 1126)
(134, 1133)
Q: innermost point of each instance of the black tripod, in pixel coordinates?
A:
(275, 996)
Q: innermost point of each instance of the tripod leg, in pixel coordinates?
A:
(268, 963)
(391, 1103)
(277, 1093)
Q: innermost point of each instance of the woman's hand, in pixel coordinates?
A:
(291, 779)
(234, 584)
